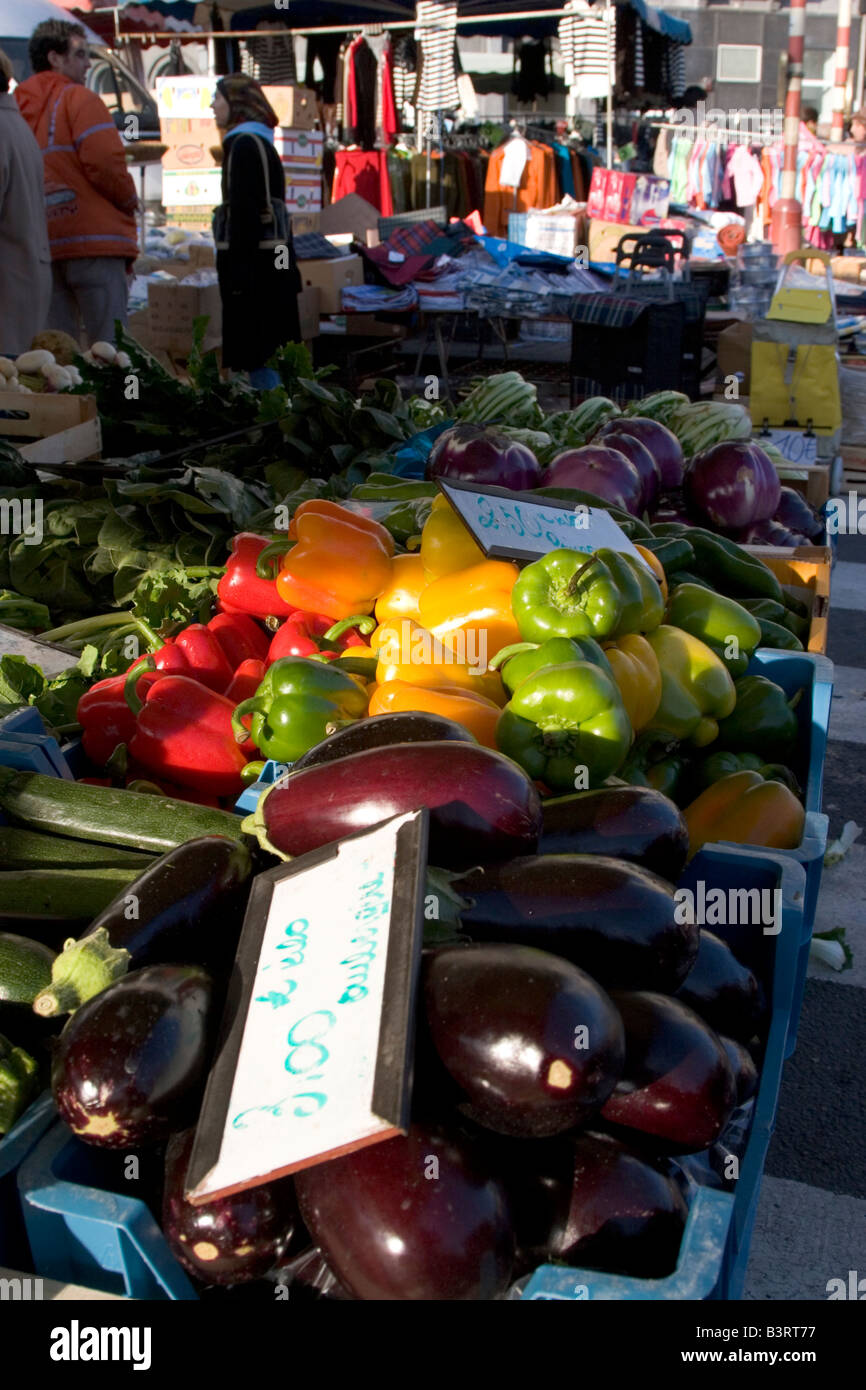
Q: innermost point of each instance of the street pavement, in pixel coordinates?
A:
(811, 1221)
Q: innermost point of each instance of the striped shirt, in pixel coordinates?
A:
(436, 33)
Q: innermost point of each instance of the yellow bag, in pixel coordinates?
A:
(795, 359)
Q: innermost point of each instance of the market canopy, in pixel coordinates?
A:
(659, 20)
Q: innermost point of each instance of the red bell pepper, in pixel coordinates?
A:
(240, 637)
(240, 589)
(184, 733)
(105, 718)
(246, 680)
(312, 634)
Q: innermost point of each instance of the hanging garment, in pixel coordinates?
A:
(436, 31)
(514, 162)
(584, 38)
(564, 170)
(364, 172)
(660, 155)
(323, 49)
(363, 87)
(537, 187)
(270, 61)
(405, 60)
(746, 176)
(529, 78)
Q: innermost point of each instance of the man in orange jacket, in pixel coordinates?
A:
(90, 196)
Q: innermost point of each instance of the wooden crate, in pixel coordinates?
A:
(805, 571)
(854, 465)
(52, 428)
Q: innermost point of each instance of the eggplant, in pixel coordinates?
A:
(743, 1067)
(535, 1044)
(622, 1214)
(616, 921)
(723, 992)
(234, 1239)
(380, 731)
(633, 823)
(130, 1065)
(417, 1217)
(186, 907)
(677, 1088)
(482, 805)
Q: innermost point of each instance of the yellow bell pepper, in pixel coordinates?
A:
(475, 712)
(400, 598)
(408, 652)
(637, 674)
(446, 544)
(747, 810)
(655, 565)
(470, 610)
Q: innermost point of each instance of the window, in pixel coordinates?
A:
(739, 62)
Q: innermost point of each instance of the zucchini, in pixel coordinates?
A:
(25, 968)
(109, 815)
(30, 849)
(77, 894)
(189, 907)
(18, 1081)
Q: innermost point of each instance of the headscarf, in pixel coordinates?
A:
(247, 101)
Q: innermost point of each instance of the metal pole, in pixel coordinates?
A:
(786, 226)
(609, 112)
(840, 81)
(861, 64)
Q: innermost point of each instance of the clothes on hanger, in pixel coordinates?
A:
(587, 45)
(537, 187)
(530, 77)
(324, 50)
(364, 172)
(436, 36)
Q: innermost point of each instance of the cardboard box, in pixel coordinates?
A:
(200, 256)
(304, 196)
(52, 428)
(638, 199)
(308, 312)
(173, 309)
(369, 326)
(805, 571)
(308, 146)
(296, 107)
(330, 277)
(558, 232)
(190, 143)
(734, 354)
(350, 214)
(185, 188)
(604, 237)
(186, 98)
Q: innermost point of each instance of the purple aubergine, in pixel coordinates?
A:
(482, 454)
(601, 470)
(724, 993)
(380, 731)
(732, 485)
(743, 1067)
(130, 1065)
(666, 449)
(618, 436)
(534, 1044)
(616, 921)
(770, 532)
(671, 506)
(623, 1214)
(482, 805)
(794, 512)
(677, 1088)
(417, 1218)
(234, 1239)
(633, 823)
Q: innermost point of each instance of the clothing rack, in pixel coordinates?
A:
(717, 132)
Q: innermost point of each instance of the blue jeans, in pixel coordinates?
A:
(264, 378)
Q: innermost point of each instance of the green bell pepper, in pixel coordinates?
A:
(566, 594)
(697, 689)
(642, 603)
(779, 637)
(664, 774)
(726, 627)
(763, 721)
(566, 726)
(298, 703)
(723, 764)
(730, 568)
(765, 610)
(672, 552)
(517, 663)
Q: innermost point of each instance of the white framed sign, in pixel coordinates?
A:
(51, 659)
(795, 445)
(314, 1059)
(520, 526)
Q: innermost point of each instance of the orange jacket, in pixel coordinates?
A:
(89, 193)
(537, 188)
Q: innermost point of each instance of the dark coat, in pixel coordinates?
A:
(259, 297)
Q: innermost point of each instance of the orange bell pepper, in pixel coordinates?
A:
(446, 544)
(407, 652)
(745, 809)
(475, 712)
(339, 564)
(638, 676)
(655, 565)
(470, 610)
(400, 599)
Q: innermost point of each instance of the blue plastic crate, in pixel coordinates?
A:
(14, 1148)
(82, 1234)
(249, 797)
(715, 1246)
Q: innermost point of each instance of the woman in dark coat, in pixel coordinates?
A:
(259, 287)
